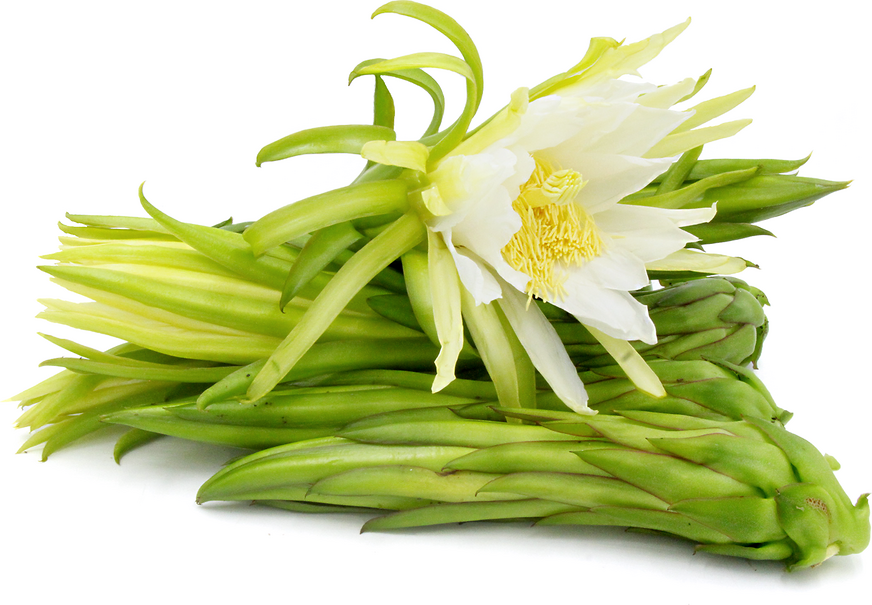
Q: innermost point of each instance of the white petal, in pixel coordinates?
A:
(445, 292)
(474, 275)
(610, 177)
(667, 96)
(631, 362)
(615, 312)
(628, 58)
(612, 91)
(701, 262)
(680, 142)
(524, 166)
(616, 268)
(545, 349)
(465, 180)
(488, 226)
(589, 124)
(642, 129)
(649, 233)
(548, 109)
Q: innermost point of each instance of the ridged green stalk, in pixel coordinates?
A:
(745, 488)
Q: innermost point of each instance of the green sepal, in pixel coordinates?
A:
(806, 514)
(551, 456)
(326, 139)
(410, 482)
(698, 86)
(774, 551)
(319, 251)
(688, 196)
(715, 233)
(313, 507)
(224, 247)
(101, 233)
(746, 520)
(262, 475)
(465, 512)
(578, 490)
(323, 210)
(156, 419)
(674, 178)
(415, 61)
(131, 440)
(395, 307)
(706, 168)
(458, 432)
(668, 478)
(334, 356)
(134, 223)
(754, 462)
(419, 78)
(383, 109)
(402, 235)
(298, 495)
(764, 197)
(447, 26)
(334, 406)
(157, 372)
(476, 389)
(639, 518)
(504, 358)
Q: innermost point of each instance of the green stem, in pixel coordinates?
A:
(400, 237)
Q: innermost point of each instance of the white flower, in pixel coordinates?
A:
(539, 207)
(528, 206)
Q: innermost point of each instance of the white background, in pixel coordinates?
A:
(100, 96)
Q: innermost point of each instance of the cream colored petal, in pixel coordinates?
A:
(545, 349)
(644, 128)
(547, 122)
(650, 233)
(503, 125)
(667, 96)
(617, 268)
(680, 142)
(614, 312)
(445, 290)
(488, 225)
(631, 362)
(610, 178)
(612, 91)
(582, 131)
(713, 108)
(405, 154)
(474, 275)
(700, 262)
(626, 59)
(463, 181)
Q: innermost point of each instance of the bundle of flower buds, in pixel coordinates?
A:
(514, 321)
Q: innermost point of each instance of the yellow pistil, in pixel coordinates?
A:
(555, 232)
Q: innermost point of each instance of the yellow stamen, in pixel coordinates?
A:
(555, 232)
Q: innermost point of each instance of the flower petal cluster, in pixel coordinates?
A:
(538, 207)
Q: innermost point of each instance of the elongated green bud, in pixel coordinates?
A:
(744, 488)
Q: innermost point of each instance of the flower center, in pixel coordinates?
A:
(555, 232)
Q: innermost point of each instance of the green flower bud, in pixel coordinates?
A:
(744, 488)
